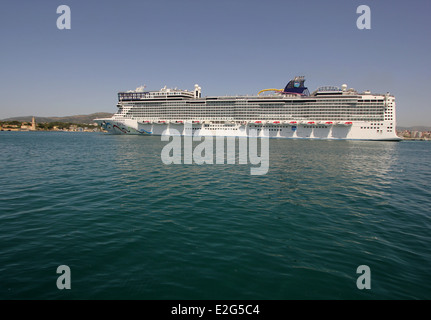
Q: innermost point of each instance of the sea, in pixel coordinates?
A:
(88, 216)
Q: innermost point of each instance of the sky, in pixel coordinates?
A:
(229, 47)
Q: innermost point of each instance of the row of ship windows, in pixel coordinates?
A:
(356, 117)
(251, 105)
(378, 129)
(308, 127)
(290, 101)
(233, 109)
(277, 126)
(276, 107)
(230, 119)
(312, 127)
(254, 109)
(254, 115)
(212, 128)
(285, 112)
(345, 118)
(250, 111)
(238, 112)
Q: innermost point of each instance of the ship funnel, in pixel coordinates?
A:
(297, 86)
(197, 91)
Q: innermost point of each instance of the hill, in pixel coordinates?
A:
(78, 119)
(414, 128)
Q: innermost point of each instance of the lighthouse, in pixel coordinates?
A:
(33, 124)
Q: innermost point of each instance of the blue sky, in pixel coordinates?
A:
(227, 47)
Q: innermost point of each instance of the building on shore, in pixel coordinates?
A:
(33, 124)
(414, 134)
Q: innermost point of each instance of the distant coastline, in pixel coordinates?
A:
(79, 123)
(48, 126)
(84, 123)
(414, 133)
(76, 119)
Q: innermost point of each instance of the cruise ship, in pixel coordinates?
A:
(293, 112)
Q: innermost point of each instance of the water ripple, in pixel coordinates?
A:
(131, 227)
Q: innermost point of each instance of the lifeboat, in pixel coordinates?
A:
(195, 121)
(311, 122)
(293, 123)
(344, 124)
(258, 122)
(276, 122)
(161, 122)
(179, 122)
(329, 123)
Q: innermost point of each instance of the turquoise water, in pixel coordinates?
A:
(131, 227)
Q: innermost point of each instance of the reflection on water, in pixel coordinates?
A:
(364, 167)
(329, 167)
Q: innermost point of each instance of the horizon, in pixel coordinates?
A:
(79, 115)
(228, 48)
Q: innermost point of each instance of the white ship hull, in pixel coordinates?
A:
(337, 131)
